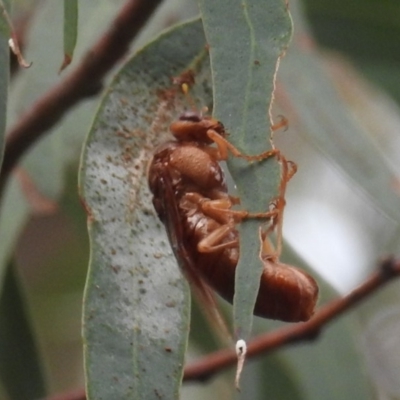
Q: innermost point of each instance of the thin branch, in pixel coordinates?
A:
(215, 362)
(84, 81)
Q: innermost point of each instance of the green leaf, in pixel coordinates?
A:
(70, 30)
(246, 40)
(20, 367)
(136, 310)
(5, 25)
(4, 77)
(14, 212)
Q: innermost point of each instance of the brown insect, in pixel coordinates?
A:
(191, 199)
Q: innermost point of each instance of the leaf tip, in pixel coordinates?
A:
(67, 60)
(14, 46)
(241, 350)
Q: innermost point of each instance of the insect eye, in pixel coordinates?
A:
(190, 116)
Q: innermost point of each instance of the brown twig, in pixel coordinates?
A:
(209, 365)
(84, 81)
(215, 362)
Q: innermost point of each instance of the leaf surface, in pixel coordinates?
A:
(14, 212)
(20, 367)
(246, 40)
(4, 78)
(5, 27)
(70, 30)
(136, 310)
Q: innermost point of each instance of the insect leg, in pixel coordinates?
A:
(209, 243)
(224, 145)
(283, 123)
(220, 209)
(288, 169)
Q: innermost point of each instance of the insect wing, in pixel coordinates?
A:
(175, 232)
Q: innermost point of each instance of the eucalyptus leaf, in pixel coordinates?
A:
(136, 308)
(20, 365)
(4, 77)
(5, 27)
(70, 30)
(246, 40)
(14, 212)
